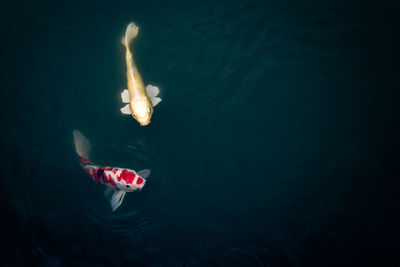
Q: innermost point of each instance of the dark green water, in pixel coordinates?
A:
(275, 143)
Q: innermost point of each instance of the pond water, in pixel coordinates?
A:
(273, 145)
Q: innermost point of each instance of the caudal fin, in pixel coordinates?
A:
(131, 32)
(82, 144)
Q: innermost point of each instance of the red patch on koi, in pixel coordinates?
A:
(109, 179)
(139, 180)
(84, 161)
(111, 182)
(128, 176)
(94, 175)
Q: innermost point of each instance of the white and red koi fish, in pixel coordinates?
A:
(118, 180)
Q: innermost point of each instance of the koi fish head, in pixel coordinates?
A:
(130, 181)
(142, 110)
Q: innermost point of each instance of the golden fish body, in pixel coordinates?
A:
(140, 99)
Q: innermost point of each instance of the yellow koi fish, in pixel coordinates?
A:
(140, 100)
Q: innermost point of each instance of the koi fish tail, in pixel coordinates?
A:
(82, 146)
(130, 33)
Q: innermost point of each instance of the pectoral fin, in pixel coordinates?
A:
(117, 198)
(126, 110)
(155, 101)
(144, 173)
(125, 96)
(108, 191)
(152, 90)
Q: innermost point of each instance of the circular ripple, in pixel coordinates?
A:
(60, 202)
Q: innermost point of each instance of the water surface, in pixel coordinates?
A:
(273, 145)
